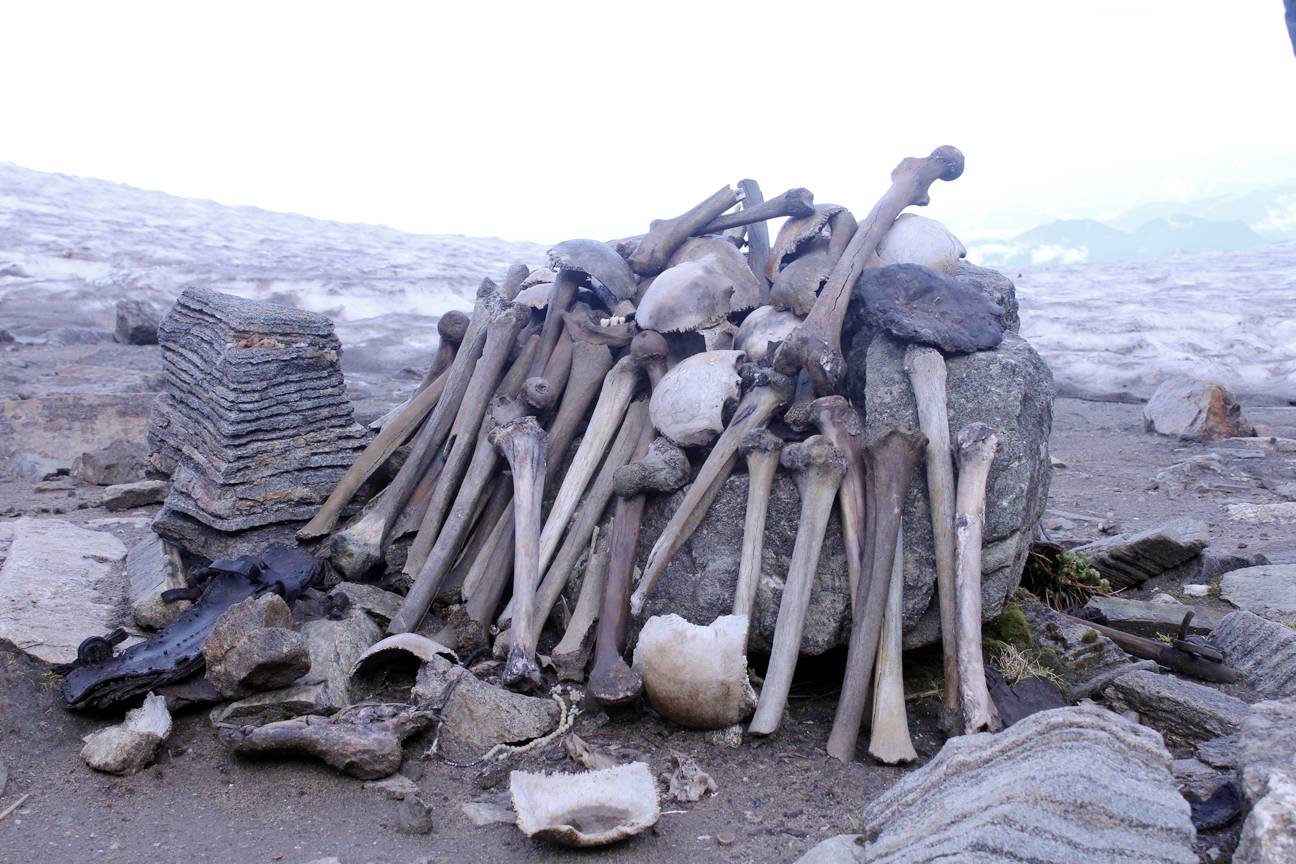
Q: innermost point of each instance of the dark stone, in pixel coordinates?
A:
(1026, 697)
(918, 304)
(1217, 809)
(137, 323)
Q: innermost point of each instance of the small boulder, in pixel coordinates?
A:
(1131, 559)
(1263, 651)
(1269, 833)
(413, 816)
(137, 323)
(133, 744)
(254, 648)
(1183, 711)
(118, 463)
(127, 496)
(153, 566)
(1200, 410)
(1267, 746)
(1269, 591)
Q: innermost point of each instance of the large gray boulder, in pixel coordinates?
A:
(1263, 651)
(1071, 784)
(1010, 389)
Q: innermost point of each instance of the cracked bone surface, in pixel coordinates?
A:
(762, 449)
(836, 419)
(692, 296)
(358, 547)
(975, 450)
(666, 235)
(693, 675)
(688, 406)
(798, 237)
(769, 391)
(748, 291)
(522, 442)
(889, 461)
(815, 346)
(915, 239)
(794, 203)
(926, 369)
(797, 285)
(614, 398)
(819, 468)
(889, 739)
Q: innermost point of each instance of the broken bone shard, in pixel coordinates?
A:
(688, 406)
(696, 676)
(592, 808)
(362, 740)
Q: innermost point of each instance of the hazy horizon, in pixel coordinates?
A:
(532, 124)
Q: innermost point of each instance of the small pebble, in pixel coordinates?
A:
(413, 816)
(1196, 590)
(725, 839)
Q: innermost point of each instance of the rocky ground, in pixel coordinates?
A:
(776, 798)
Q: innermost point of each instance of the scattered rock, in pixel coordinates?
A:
(120, 462)
(335, 646)
(1028, 696)
(413, 816)
(1282, 513)
(137, 323)
(59, 584)
(726, 838)
(44, 435)
(1263, 651)
(1127, 560)
(730, 736)
(1211, 564)
(152, 567)
(484, 813)
(1267, 746)
(1221, 752)
(1214, 808)
(478, 716)
(1072, 784)
(1200, 410)
(1084, 661)
(1182, 710)
(253, 648)
(1269, 833)
(580, 752)
(133, 744)
(255, 421)
(127, 496)
(688, 782)
(381, 605)
(1268, 591)
(1150, 618)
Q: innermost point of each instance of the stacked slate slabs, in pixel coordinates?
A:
(254, 424)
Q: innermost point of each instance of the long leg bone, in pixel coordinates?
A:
(976, 450)
(815, 346)
(758, 244)
(434, 565)
(770, 391)
(889, 460)
(611, 680)
(572, 652)
(819, 468)
(614, 398)
(451, 328)
(665, 235)
(926, 368)
(762, 448)
(360, 545)
(590, 363)
(522, 442)
(834, 417)
(471, 447)
(889, 740)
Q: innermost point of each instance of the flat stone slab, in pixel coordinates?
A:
(1151, 619)
(1127, 560)
(60, 584)
(1067, 785)
(1182, 710)
(1269, 591)
(1263, 651)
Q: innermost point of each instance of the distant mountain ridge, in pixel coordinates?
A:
(1223, 223)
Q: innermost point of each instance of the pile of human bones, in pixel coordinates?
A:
(639, 349)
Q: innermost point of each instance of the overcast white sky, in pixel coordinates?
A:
(547, 120)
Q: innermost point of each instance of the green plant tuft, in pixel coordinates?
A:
(1062, 580)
